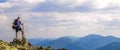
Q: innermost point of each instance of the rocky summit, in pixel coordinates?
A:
(23, 44)
(17, 44)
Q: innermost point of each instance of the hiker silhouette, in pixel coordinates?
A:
(17, 26)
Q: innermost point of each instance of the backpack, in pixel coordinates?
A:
(14, 26)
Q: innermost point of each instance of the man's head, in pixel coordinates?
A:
(18, 18)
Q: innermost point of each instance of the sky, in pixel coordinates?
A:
(58, 18)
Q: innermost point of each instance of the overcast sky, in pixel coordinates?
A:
(57, 18)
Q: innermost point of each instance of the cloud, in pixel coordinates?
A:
(21, 5)
(4, 6)
(58, 18)
(34, 1)
(77, 5)
(62, 6)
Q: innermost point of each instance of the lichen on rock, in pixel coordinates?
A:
(16, 44)
(22, 44)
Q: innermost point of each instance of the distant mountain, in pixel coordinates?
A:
(89, 42)
(92, 41)
(63, 42)
(39, 41)
(66, 42)
(111, 46)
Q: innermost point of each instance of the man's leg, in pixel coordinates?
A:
(23, 35)
(16, 35)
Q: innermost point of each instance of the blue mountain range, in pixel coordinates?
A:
(90, 42)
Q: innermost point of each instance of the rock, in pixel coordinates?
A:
(6, 46)
(17, 44)
(22, 44)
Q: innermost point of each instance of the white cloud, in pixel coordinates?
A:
(4, 6)
(72, 23)
(34, 1)
(3, 17)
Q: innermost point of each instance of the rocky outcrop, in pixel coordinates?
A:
(22, 44)
(17, 44)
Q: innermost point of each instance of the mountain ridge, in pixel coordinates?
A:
(89, 42)
(111, 46)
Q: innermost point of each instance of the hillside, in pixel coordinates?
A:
(64, 42)
(91, 42)
(23, 44)
(111, 46)
(67, 42)
(16, 44)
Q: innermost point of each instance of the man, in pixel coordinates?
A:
(17, 27)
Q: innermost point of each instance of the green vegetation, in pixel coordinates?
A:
(23, 44)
